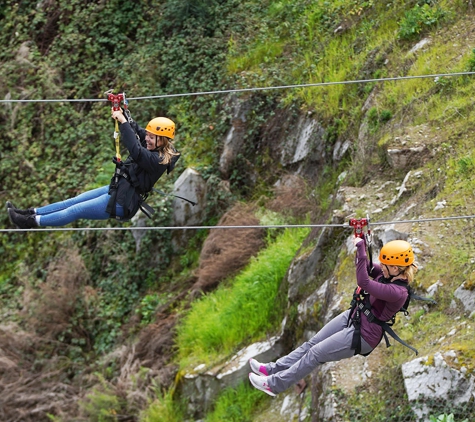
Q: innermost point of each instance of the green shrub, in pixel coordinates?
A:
(101, 404)
(147, 307)
(471, 61)
(386, 115)
(445, 418)
(163, 409)
(418, 19)
(465, 166)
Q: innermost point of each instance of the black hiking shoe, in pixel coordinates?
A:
(28, 211)
(22, 221)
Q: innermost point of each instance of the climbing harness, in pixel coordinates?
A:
(361, 304)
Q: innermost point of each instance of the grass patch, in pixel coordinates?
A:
(243, 310)
(163, 409)
(261, 52)
(237, 404)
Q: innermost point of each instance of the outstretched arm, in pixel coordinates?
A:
(388, 292)
(141, 155)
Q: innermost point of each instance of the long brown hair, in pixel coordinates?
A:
(167, 150)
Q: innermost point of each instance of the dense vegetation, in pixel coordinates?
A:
(73, 303)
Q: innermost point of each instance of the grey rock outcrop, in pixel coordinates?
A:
(234, 140)
(139, 220)
(432, 378)
(401, 158)
(412, 147)
(202, 385)
(192, 186)
(305, 143)
(467, 297)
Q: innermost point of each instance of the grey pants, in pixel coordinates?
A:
(332, 343)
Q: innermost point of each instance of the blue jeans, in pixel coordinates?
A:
(90, 205)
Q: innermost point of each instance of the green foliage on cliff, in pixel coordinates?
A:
(81, 295)
(242, 311)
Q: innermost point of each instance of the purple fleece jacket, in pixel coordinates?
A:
(385, 299)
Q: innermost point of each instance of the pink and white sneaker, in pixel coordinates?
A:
(260, 382)
(258, 368)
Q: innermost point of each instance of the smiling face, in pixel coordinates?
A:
(153, 141)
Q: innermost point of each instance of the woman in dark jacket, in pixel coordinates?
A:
(151, 154)
(386, 285)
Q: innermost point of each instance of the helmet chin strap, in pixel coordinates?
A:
(390, 276)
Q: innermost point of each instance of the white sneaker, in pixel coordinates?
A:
(258, 368)
(260, 383)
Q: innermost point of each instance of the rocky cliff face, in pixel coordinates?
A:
(316, 296)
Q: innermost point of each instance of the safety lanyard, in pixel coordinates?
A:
(116, 99)
(117, 141)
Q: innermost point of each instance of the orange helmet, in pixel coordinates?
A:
(397, 252)
(161, 126)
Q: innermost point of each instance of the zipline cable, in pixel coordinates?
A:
(229, 91)
(277, 226)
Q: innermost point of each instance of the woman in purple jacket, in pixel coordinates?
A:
(386, 285)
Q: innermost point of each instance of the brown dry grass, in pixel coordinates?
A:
(292, 198)
(226, 251)
(33, 369)
(156, 341)
(31, 387)
(51, 305)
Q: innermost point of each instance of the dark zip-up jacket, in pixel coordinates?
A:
(144, 167)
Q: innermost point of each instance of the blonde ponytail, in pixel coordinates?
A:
(408, 272)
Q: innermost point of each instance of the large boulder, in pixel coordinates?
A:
(431, 379)
(190, 185)
(234, 141)
(467, 297)
(401, 158)
(139, 220)
(304, 143)
(332, 378)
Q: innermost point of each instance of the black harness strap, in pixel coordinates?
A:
(361, 305)
(355, 320)
(114, 184)
(365, 307)
(120, 171)
(176, 196)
